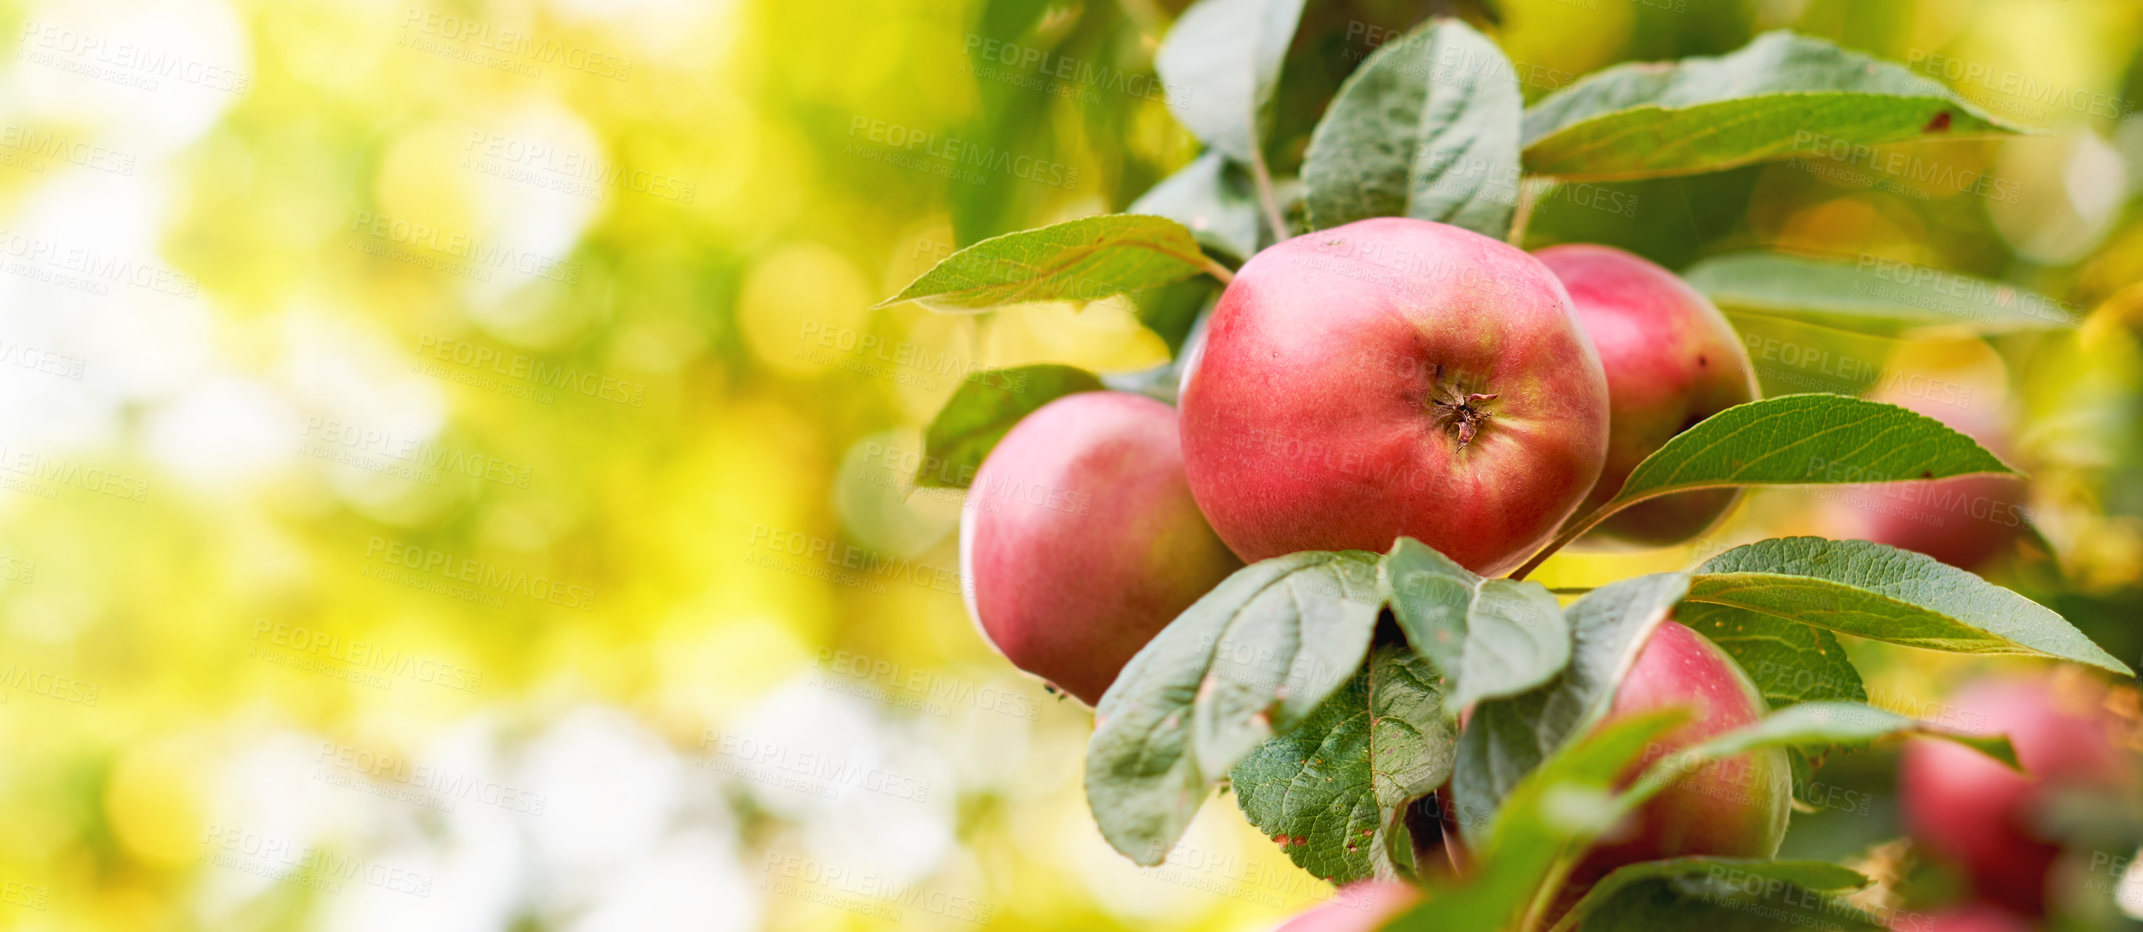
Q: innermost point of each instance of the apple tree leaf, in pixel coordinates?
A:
(982, 410)
(1220, 65)
(1789, 662)
(1078, 260)
(1427, 128)
(1806, 440)
(1216, 199)
(1250, 660)
(1869, 295)
(1561, 805)
(1721, 895)
(1332, 791)
(1490, 638)
(1506, 739)
(1883, 593)
(1782, 95)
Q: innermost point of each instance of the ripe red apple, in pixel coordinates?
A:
(1970, 917)
(1979, 814)
(1357, 907)
(1079, 539)
(1672, 360)
(1735, 807)
(1393, 377)
(1963, 521)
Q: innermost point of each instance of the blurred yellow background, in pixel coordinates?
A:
(452, 478)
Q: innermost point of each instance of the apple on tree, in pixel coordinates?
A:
(1735, 807)
(1393, 377)
(1671, 361)
(1979, 814)
(1079, 538)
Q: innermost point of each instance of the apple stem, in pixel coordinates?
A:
(1529, 192)
(1266, 197)
(1570, 533)
(1217, 270)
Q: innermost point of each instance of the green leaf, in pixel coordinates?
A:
(1490, 637)
(1217, 200)
(1284, 649)
(1332, 791)
(1561, 806)
(1220, 64)
(1789, 662)
(1874, 591)
(1806, 439)
(982, 410)
(1780, 96)
(1808, 725)
(1077, 260)
(1426, 128)
(1721, 895)
(1871, 295)
(1249, 661)
(1506, 739)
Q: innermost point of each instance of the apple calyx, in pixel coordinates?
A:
(1460, 410)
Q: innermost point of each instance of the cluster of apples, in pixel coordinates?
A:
(1390, 377)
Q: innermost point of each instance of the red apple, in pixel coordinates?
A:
(1393, 377)
(1735, 807)
(1979, 814)
(1357, 907)
(1672, 360)
(1079, 539)
(1963, 521)
(1970, 917)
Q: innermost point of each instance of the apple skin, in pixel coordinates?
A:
(1964, 521)
(1356, 907)
(1079, 540)
(1730, 808)
(1970, 917)
(1976, 813)
(1672, 360)
(1311, 421)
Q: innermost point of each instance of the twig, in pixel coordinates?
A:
(1271, 201)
